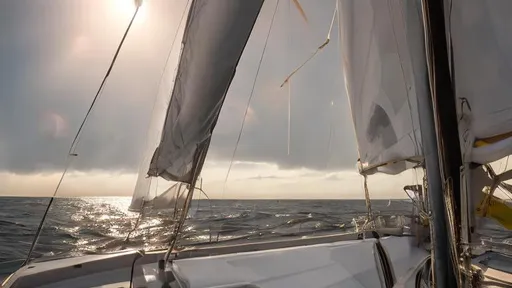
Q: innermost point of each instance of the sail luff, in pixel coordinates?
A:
(141, 192)
(213, 42)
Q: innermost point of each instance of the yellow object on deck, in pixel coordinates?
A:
(491, 140)
(498, 209)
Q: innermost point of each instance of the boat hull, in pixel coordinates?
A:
(323, 261)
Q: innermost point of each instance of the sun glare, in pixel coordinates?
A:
(126, 8)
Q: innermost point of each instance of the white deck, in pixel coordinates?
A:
(338, 264)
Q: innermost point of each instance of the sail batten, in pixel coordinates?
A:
(381, 85)
(213, 42)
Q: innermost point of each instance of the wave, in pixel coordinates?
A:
(89, 226)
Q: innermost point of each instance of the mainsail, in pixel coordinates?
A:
(213, 42)
(481, 66)
(215, 36)
(481, 63)
(381, 84)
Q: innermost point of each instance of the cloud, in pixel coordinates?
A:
(51, 73)
(321, 135)
(76, 184)
(55, 61)
(270, 182)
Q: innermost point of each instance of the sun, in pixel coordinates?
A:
(126, 8)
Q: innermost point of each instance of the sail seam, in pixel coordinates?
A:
(404, 78)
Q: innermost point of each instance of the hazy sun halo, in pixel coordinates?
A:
(126, 8)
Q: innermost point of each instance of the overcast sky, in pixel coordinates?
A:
(54, 54)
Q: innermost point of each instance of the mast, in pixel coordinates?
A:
(439, 240)
(447, 183)
(398, 49)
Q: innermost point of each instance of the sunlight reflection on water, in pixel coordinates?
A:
(78, 226)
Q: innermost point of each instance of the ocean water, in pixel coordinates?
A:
(78, 226)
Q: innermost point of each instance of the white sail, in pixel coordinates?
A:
(213, 42)
(143, 192)
(481, 68)
(173, 197)
(140, 193)
(380, 82)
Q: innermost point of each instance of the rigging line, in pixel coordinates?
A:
(137, 221)
(71, 149)
(331, 108)
(331, 132)
(289, 82)
(165, 69)
(250, 96)
(315, 53)
(338, 18)
(289, 114)
(171, 49)
(100, 89)
(186, 206)
(210, 206)
(167, 103)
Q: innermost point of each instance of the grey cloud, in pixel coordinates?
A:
(33, 87)
(334, 177)
(259, 177)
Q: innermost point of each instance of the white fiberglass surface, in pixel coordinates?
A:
(338, 264)
(341, 264)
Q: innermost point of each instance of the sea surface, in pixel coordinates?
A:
(79, 226)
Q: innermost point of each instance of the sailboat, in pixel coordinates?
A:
(398, 76)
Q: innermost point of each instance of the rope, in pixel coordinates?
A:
(422, 212)
(100, 89)
(288, 78)
(289, 114)
(367, 198)
(186, 205)
(137, 221)
(76, 139)
(316, 51)
(289, 82)
(497, 182)
(332, 131)
(250, 97)
(152, 112)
